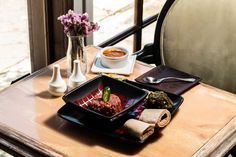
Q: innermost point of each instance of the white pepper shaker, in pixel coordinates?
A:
(56, 86)
(77, 77)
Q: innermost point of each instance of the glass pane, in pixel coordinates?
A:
(148, 34)
(14, 41)
(114, 16)
(4, 154)
(152, 7)
(127, 43)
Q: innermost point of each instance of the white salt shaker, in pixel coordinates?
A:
(56, 86)
(77, 77)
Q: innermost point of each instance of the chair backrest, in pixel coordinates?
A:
(199, 37)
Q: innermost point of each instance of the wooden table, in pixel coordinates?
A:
(30, 125)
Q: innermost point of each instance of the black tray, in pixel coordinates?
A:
(71, 113)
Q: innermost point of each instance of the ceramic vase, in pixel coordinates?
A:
(57, 86)
(77, 77)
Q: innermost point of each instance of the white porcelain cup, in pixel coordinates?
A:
(114, 61)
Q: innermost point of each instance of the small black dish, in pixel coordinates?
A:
(70, 113)
(130, 96)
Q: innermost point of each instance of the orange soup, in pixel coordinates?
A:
(113, 52)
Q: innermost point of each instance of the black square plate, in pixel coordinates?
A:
(129, 95)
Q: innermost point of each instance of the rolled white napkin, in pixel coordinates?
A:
(138, 129)
(157, 117)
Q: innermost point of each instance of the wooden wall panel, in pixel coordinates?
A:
(47, 40)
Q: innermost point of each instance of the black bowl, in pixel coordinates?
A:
(130, 96)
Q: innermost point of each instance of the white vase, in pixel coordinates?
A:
(77, 77)
(56, 86)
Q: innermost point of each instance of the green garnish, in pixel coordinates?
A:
(159, 99)
(106, 92)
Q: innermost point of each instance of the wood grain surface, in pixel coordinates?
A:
(28, 109)
(24, 145)
(222, 142)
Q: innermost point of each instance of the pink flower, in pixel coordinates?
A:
(77, 24)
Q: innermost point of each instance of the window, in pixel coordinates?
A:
(127, 43)
(14, 41)
(119, 20)
(148, 34)
(151, 7)
(113, 16)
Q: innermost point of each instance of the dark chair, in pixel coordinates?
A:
(198, 37)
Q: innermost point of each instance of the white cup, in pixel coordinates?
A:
(114, 61)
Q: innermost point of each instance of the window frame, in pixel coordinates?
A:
(135, 30)
(47, 40)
